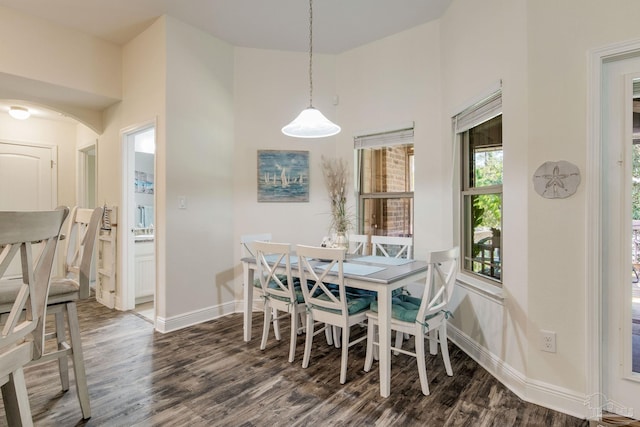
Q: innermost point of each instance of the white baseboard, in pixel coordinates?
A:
(540, 393)
(192, 318)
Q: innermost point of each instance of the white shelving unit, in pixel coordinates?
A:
(107, 244)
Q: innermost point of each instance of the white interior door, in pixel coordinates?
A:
(27, 177)
(27, 181)
(621, 382)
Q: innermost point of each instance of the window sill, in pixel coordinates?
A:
(480, 287)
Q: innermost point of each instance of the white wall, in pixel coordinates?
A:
(47, 61)
(143, 89)
(539, 50)
(51, 133)
(484, 46)
(198, 160)
(40, 50)
(386, 84)
(270, 90)
(558, 94)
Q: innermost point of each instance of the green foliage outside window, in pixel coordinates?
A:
(488, 171)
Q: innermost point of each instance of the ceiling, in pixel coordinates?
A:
(338, 26)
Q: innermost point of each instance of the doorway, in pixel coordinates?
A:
(620, 204)
(87, 176)
(139, 260)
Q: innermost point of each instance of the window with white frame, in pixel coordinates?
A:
(478, 131)
(384, 182)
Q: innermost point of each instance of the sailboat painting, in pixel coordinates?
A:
(283, 176)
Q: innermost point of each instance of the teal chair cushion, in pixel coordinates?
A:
(283, 279)
(363, 292)
(299, 296)
(354, 304)
(403, 307)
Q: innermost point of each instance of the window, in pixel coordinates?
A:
(479, 133)
(385, 168)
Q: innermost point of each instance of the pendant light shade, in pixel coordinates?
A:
(311, 123)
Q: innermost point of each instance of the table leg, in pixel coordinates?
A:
(384, 331)
(247, 303)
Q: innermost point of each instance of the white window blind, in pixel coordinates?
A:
(478, 113)
(384, 139)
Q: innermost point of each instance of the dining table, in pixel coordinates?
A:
(372, 273)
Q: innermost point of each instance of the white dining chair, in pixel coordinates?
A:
(246, 243)
(392, 246)
(31, 238)
(247, 250)
(396, 247)
(65, 290)
(359, 244)
(326, 300)
(280, 292)
(424, 317)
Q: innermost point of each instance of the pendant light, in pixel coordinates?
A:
(311, 123)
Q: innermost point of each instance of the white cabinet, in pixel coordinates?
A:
(145, 271)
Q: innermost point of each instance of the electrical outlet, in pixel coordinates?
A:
(548, 341)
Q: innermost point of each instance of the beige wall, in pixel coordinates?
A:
(53, 134)
(558, 94)
(198, 162)
(484, 47)
(539, 49)
(387, 84)
(58, 55)
(270, 90)
(58, 67)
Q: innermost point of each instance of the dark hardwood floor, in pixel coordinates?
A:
(206, 375)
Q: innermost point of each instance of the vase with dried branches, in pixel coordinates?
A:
(336, 178)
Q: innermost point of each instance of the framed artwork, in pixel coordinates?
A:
(283, 176)
(143, 182)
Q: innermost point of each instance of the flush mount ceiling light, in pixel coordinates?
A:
(311, 123)
(20, 113)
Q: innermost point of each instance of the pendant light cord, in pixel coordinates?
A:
(310, 53)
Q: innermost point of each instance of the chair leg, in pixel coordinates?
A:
(345, 354)
(433, 341)
(78, 360)
(308, 341)
(63, 360)
(329, 335)
(422, 362)
(276, 324)
(336, 335)
(444, 347)
(294, 335)
(399, 340)
(368, 359)
(267, 325)
(303, 321)
(16, 400)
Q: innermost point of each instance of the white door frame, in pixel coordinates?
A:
(82, 174)
(594, 221)
(127, 296)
